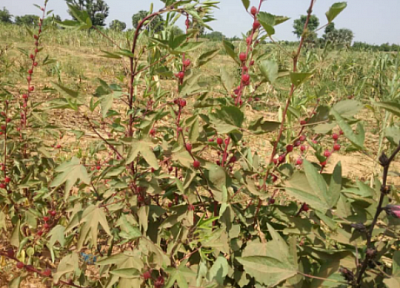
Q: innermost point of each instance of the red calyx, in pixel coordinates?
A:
(220, 141)
(186, 63)
(180, 75)
(31, 88)
(256, 25)
(153, 132)
(305, 207)
(46, 272)
(146, 275)
(253, 11)
(335, 136)
(289, 148)
(196, 164)
(20, 265)
(299, 161)
(336, 147)
(242, 56)
(302, 138)
(45, 218)
(7, 179)
(327, 153)
(189, 147)
(3, 186)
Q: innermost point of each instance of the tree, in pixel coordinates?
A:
(298, 26)
(5, 16)
(51, 21)
(214, 36)
(97, 10)
(177, 31)
(156, 24)
(330, 28)
(29, 20)
(117, 25)
(340, 37)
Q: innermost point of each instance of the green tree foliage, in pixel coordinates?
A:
(97, 9)
(177, 31)
(29, 20)
(214, 36)
(156, 23)
(5, 16)
(51, 21)
(313, 24)
(340, 37)
(117, 25)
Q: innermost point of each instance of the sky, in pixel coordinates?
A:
(372, 21)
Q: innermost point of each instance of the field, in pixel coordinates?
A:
(200, 179)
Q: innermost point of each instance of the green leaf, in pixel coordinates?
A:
(269, 70)
(92, 217)
(335, 185)
(227, 80)
(57, 235)
(206, 57)
(316, 181)
(299, 78)
(230, 50)
(219, 270)
(15, 283)
(15, 236)
(357, 138)
(393, 135)
(392, 107)
(70, 172)
(348, 108)
(68, 264)
(188, 46)
(65, 91)
(335, 11)
(267, 20)
(299, 187)
(181, 275)
(145, 148)
(126, 273)
(246, 4)
(267, 270)
(261, 126)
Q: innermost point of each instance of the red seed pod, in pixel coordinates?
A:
(25, 96)
(305, 207)
(7, 179)
(254, 11)
(31, 88)
(181, 75)
(302, 138)
(282, 159)
(35, 64)
(271, 201)
(336, 147)
(47, 272)
(30, 71)
(249, 40)
(233, 159)
(251, 62)
(189, 147)
(323, 164)
(245, 78)
(146, 275)
(53, 213)
(40, 233)
(3, 185)
(303, 122)
(32, 56)
(182, 103)
(335, 136)
(297, 143)
(8, 120)
(36, 50)
(196, 164)
(289, 148)
(256, 25)
(29, 78)
(299, 161)
(153, 132)
(98, 167)
(341, 132)
(186, 63)
(220, 141)
(35, 37)
(243, 56)
(327, 153)
(20, 265)
(45, 218)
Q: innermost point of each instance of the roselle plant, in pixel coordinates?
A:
(172, 193)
